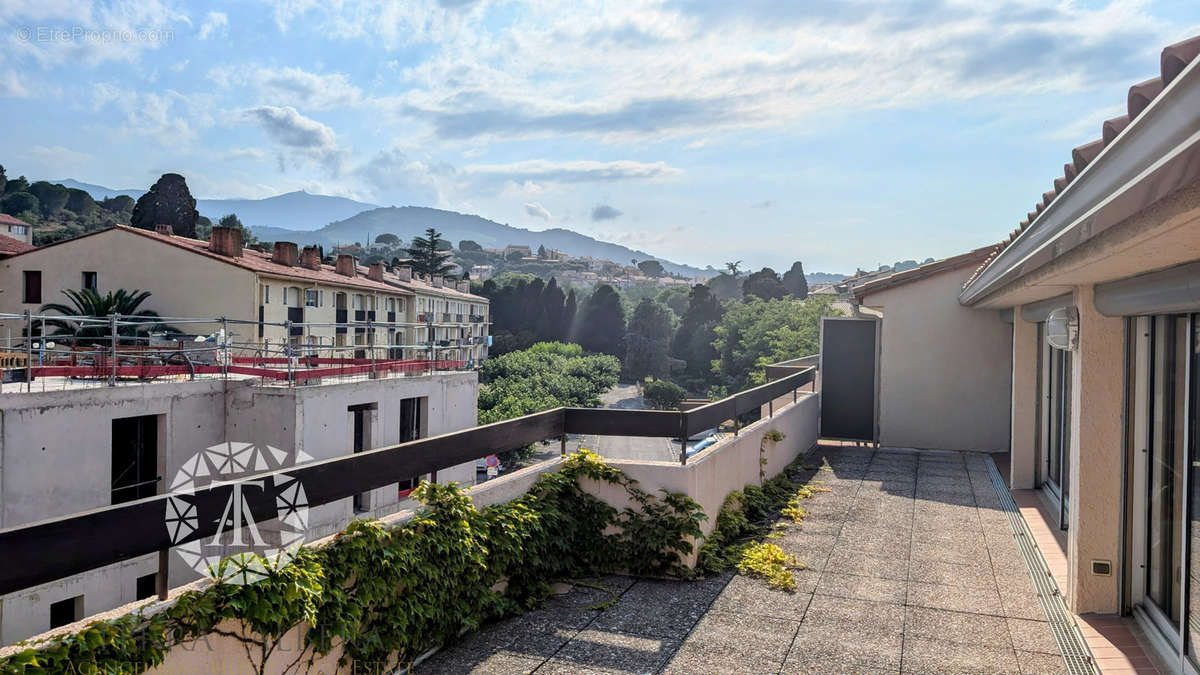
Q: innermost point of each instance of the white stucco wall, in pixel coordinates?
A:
(55, 457)
(945, 373)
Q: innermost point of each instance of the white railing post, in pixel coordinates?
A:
(112, 339)
(28, 351)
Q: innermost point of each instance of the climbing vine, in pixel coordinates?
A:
(386, 595)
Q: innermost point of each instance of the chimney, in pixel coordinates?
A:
(436, 281)
(404, 272)
(464, 286)
(375, 271)
(164, 229)
(346, 265)
(310, 257)
(286, 253)
(226, 241)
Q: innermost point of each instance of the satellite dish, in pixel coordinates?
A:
(1062, 328)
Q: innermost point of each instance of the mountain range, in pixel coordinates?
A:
(306, 218)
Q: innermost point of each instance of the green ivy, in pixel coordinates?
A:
(387, 595)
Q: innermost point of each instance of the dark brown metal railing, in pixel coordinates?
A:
(45, 551)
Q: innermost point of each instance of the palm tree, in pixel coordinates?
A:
(89, 303)
(733, 268)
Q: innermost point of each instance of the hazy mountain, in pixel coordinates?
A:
(98, 192)
(293, 210)
(320, 219)
(407, 222)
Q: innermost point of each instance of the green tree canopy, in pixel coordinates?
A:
(51, 197)
(602, 327)
(546, 375)
(652, 268)
(663, 394)
(426, 254)
(675, 298)
(118, 204)
(468, 245)
(167, 202)
(80, 202)
(758, 332)
(726, 286)
(648, 341)
(693, 341)
(763, 284)
(795, 282)
(18, 203)
(18, 184)
(387, 238)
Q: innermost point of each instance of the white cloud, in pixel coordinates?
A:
(82, 32)
(538, 211)
(214, 23)
(288, 86)
(665, 68)
(583, 171)
(299, 136)
(55, 161)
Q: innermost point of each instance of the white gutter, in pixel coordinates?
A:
(1150, 159)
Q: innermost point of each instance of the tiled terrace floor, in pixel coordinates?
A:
(912, 567)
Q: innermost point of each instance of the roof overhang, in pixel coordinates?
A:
(925, 271)
(1154, 156)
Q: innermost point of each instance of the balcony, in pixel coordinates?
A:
(894, 556)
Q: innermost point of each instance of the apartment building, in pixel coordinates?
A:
(1080, 332)
(342, 309)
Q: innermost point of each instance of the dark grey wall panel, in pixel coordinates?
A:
(848, 364)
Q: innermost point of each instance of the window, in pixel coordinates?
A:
(312, 298)
(134, 458)
(358, 301)
(33, 286)
(266, 294)
(66, 611)
(147, 586)
(90, 282)
(18, 229)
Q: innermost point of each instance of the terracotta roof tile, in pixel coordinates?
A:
(1141, 94)
(1084, 154)
(6, 219)
(1176, 57)
(10, 246)
(261, 262)
(1113, 128)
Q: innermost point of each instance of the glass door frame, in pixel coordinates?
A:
(1167, 636)
(1052, 400)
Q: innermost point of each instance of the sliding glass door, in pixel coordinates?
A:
(1056, 427)
(1165, 553)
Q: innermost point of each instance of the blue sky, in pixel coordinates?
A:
(841, 134)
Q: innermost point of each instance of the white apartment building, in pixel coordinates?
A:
(337, 310)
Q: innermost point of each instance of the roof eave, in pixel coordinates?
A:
(1154, 146)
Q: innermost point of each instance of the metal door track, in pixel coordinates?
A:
(1076, 656)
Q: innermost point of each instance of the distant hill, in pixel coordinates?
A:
(293, 210)
(321, 219)
(407, 222)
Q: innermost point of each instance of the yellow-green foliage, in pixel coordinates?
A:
(769, 562)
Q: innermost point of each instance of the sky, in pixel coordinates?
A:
(844, 135)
